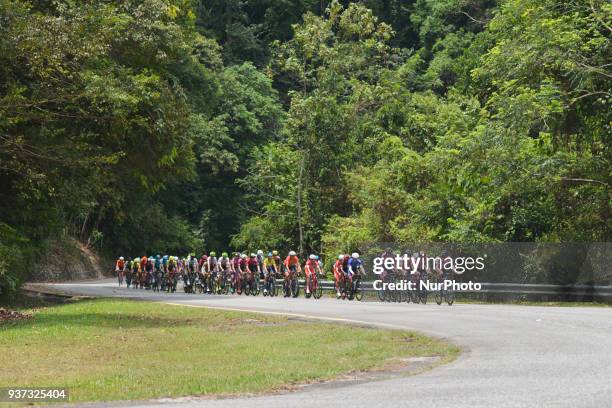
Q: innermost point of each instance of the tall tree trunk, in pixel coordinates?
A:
(299, 208)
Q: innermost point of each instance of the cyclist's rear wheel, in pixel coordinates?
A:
(438, 297)
(272, 286)
(450, 297)
(382, 295)
(414, 295)
(255, 290)
(295, 288)
(318, 292)
(350, 294)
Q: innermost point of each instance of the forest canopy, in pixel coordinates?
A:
(181, 126)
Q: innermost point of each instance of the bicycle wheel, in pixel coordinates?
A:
(439, 297)
(358, 294)
(295, 288)
(382, 295)
(272, 286)
(450, 297)
(350, 294)
(423, 296)
(318, 292)
(255, 290)
(414, 295)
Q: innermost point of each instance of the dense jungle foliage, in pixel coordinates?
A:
(182, 125)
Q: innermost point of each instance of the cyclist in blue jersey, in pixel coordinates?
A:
(355, 265)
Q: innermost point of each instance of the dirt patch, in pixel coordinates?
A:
(7, 315)
(67, 260)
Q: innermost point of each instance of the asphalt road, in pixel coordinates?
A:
(515, 356)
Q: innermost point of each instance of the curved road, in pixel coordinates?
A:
(515, 356)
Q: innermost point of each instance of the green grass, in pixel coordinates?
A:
(121, 350)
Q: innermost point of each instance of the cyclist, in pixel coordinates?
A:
(165, 264)
(242, 271)
(339, 273)
(311, 267)
(236, 271)
(172, 273)
(260, 259)
(159, 272)
(225, 267)
(119, 267)
(292, 266)
(279, 263)
(143, 263)
(212, 269)
(253, 268)
(320, 262)
(270, 266)
(149, 267)
(135, 272)
(422, 267)
(192, 265)
(355, 265)
(203, 259)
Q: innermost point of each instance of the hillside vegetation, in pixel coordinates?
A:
(183, 125)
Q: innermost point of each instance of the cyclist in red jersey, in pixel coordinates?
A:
(292, 266)
(311, 267)
(338, 273)
(119, 268)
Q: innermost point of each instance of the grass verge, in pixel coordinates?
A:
(106, 349)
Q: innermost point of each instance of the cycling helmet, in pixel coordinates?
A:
(317, 257)
(224, 254)
(157, 257)
(121, 258)
(243, 256)
(341, 257)
(269, 254)
(137, 260)
(275, 252)
(253, 255)
(213, 253)
(355, 255)
(166, 257)
(311, 256)
(259, 252)
(291, 253)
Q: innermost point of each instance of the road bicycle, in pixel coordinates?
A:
(421, 291)
(221, 284)
(252, 284)
(171, 281)
(444, 295)
(292, 285)
(354, 290)
(390, 295)
(270, 284)
(312, 284)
